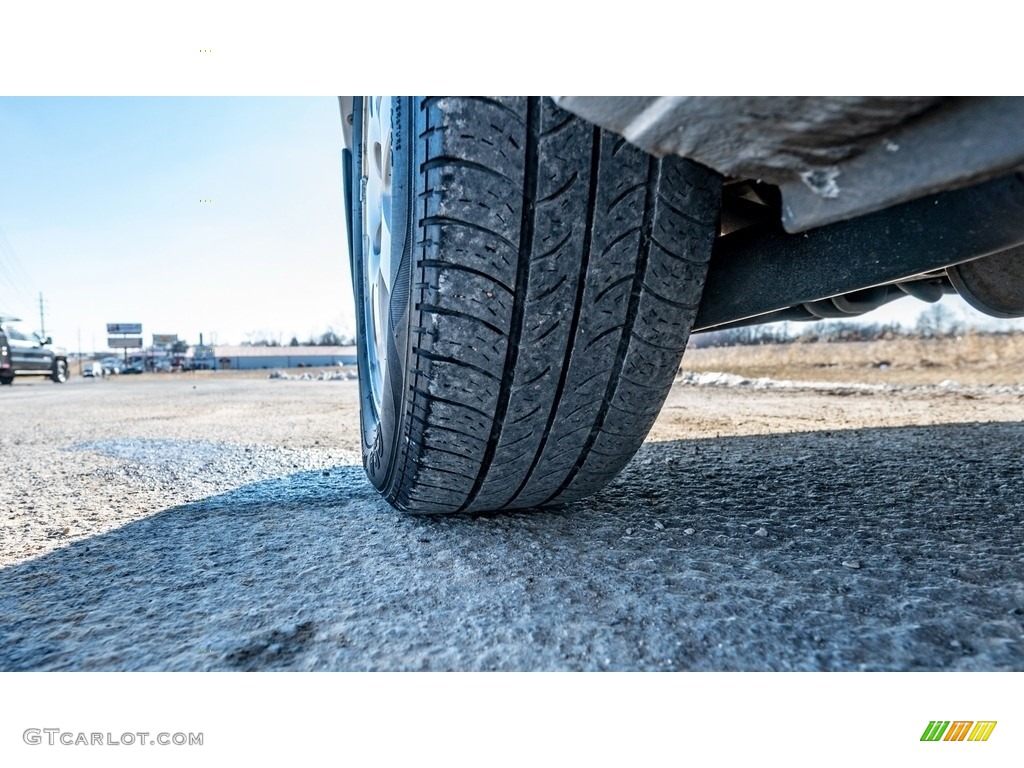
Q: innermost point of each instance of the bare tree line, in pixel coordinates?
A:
(329, 338)
(935, 322)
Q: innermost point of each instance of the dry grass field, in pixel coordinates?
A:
(971, 359)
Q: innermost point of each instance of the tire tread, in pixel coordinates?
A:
(548, 325)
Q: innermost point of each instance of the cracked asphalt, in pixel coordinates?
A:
(207, 523)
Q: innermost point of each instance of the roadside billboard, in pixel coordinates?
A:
(124, 342)
(124, 327)
(164, 338)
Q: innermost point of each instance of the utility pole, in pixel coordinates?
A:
(79, 353)
(42, 322)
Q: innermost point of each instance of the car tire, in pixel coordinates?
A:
(60, 371)
(6, 380)
(525, 285)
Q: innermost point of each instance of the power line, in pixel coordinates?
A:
(13, 271)
(19, 268)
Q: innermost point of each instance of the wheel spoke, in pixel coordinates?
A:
(376, 236)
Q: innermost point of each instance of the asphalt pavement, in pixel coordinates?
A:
(867, 548)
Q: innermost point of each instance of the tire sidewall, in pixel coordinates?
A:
(381, 439)
(60, 372)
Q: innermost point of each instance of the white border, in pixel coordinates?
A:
(476, 720)
(312, 47)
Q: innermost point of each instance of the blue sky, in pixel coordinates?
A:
(100, 205)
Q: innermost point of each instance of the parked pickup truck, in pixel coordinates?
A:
(28, 354)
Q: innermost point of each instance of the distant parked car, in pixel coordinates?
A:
(28, 354)
(111, 365)
(136, 367)
(92, 370)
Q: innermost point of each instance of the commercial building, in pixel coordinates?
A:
(242, 357)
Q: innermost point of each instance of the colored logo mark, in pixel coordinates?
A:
(958, 730)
